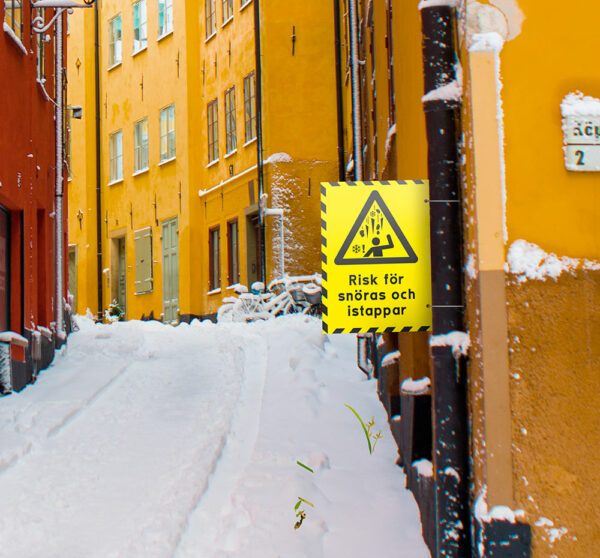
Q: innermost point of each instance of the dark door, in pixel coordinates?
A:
(252, 248)
(4, 270)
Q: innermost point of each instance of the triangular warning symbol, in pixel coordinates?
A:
(375, 238)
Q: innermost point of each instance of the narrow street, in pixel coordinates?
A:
(157, 441)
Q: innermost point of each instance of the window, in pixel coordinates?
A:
(41, 49)
(114, 41)
(214, 252)
(167, 133)
(140, 142)
(211, 17)
(233, 252)
(250, 106)
(116, 156)
(227, 10)
(140, 36)
(165, 17)
(4, 269)
(213, 131)
(230, 123)
(143, 261)
(13, 16)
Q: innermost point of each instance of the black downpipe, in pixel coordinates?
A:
(449, 377)
(338, 86)
(259, 143)
(98, 168)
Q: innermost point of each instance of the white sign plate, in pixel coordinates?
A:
(582, 143)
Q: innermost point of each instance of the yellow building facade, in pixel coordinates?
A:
(184, 112)
(529, 250)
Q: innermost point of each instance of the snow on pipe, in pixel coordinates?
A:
(356, 113)
(58, 219)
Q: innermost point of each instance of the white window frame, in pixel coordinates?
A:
(250, 122)
(115, 45)
(116, 156)
(212, 121)
(165, 9)
(210, 17)
(167, 133)
(140, 145)
(141, 42)
(11, 9)
(227, 10)
(230, 121)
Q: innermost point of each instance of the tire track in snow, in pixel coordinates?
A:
(75, 413)
(199, 536)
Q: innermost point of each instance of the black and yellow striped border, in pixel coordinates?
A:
(324, 264)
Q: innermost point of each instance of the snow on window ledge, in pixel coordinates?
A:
(214, 291)
(166, 161)
(164, 35)
(11, 34)
(212, 163)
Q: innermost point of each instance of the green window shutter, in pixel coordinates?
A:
(143, 261)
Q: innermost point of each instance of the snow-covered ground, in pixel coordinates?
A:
(144, 440)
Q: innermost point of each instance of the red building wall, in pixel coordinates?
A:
(27, 174)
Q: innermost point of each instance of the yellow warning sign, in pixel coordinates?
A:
(376, 259)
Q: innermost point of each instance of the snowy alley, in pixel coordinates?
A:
(146, 440)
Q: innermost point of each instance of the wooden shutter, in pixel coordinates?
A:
(143, 260)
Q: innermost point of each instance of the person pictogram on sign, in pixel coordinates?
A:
(377, 250)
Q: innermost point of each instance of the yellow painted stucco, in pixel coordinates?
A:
(190, 69)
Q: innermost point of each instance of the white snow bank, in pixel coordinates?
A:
(281, 157)
(578, 104)
(486, 42)
(424, 467)
(528, 262)
(435, 3)
(415, 387)
(183, 441)
(458, 340)
(14, 338)
(390, 358)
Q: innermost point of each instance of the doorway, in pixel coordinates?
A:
(4, 270)
(253, 248)
(170, 249)
(73, 276)
(118, 270)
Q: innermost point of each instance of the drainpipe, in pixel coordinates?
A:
(259, 140)
(338, 87)
(356, 112)
(449, 376)
(98, 167)
(59, 186)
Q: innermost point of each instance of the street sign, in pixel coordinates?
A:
(375, 256)
(582, 143)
